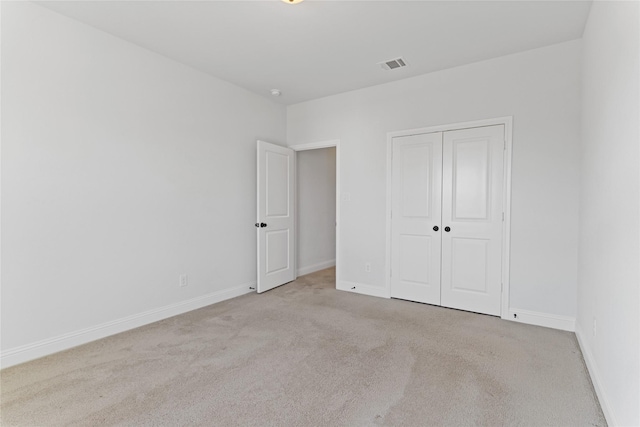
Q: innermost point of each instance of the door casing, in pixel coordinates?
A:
(506, 202)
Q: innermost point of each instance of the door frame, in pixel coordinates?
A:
(314, 146)
(507, 121)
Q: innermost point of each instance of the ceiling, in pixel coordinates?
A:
(319, 48)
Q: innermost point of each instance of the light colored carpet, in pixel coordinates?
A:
(305, 354)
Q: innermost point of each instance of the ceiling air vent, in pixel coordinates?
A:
(393, 64)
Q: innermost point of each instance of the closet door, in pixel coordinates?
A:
(415, 217)
(472, 219)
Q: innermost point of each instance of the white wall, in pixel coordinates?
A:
(316, 227)
(540, 88)
(609, 255)
(121, 169)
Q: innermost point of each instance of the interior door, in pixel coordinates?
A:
(415, 217)
(472, 219)
(275, 226)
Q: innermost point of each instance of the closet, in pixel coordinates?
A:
(447, 218)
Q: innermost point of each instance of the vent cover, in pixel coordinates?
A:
(392, 64)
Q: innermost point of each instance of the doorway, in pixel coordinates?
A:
(277, 205)
(317, 206)
(315, 210)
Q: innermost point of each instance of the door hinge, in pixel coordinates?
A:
(503, 216)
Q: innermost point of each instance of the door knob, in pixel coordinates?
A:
(447, 229)
(435, 228)
(262, 225)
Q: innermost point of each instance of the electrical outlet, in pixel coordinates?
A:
(594, 327)
(346, 197)
(184, 280)
(367, 267)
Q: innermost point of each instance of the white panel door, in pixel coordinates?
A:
(415, 217)
(275, 226)
(472, 219)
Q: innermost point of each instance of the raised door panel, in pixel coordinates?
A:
(473, 174)
(277, 251)
(469, 264)
(415, 252)
(416, 200)
(277, 185)
(416, 180)
(471, 189)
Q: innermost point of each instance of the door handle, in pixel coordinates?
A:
(262, 225)
(447, 229)
(435, 228)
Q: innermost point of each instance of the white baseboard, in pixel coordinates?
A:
(316, 267)
(69, 340)
(554, 321)
(607, 409)
(359, 288)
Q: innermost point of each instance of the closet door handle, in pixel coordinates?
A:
(447, 229)
(435, 228)
(262, 225)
